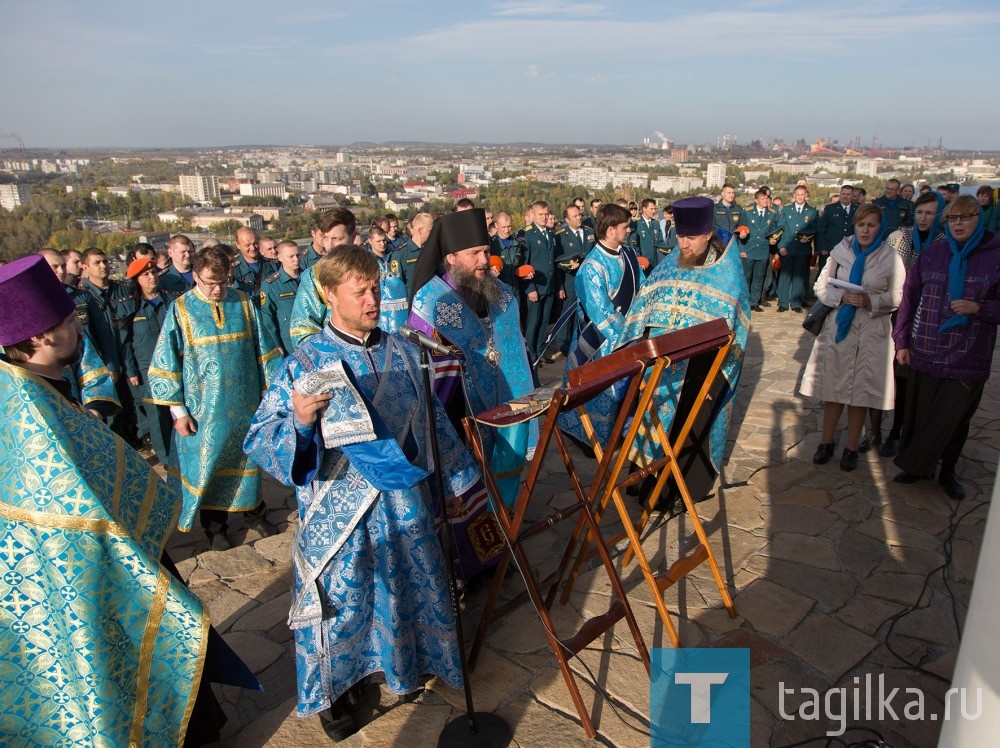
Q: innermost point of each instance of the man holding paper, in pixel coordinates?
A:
(345, 423)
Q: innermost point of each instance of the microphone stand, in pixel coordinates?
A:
(477, 729)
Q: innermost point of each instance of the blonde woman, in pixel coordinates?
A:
(851, 360)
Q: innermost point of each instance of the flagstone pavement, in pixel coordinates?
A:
(834, 575)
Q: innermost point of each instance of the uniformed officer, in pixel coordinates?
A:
(407, 254)
(396, 237)
(836, 222)
(897, 211)
(591, 220)
(277, 296)
(88, 314)
(574, 241)
(250, 268)
(668, 230)
(798, 223)
(645, 237)
(140, 331)
(541, 289)
(394, 307)
(756, 225)
(511, 252)
(727, 210)
(111, 298)
(178, 278)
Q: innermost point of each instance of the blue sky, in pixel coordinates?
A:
(111, 73)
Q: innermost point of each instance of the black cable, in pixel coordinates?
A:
(877, 742)
(955, 519)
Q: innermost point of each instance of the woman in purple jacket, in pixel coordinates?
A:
(946, 332)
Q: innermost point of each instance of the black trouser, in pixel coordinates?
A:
(216, 519)
(936, 425)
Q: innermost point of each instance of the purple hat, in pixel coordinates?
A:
(32, 298)
(693, 216)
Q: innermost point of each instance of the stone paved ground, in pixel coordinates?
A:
(820, 563)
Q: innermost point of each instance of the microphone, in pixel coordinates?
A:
(415, 336)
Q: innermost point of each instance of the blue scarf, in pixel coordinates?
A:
(918, 243)
(845, 315)
(958, 267)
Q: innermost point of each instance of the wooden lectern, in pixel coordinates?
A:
(705, 345)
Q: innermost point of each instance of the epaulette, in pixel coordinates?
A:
(560, 230)
(272, 277)
(529, 227)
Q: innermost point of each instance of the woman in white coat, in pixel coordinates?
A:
(851, 360)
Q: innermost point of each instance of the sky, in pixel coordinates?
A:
(106, 73)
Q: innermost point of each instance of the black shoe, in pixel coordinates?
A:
(339, 727)
(797, 309)
(782, 308)
(756, 308)
(823, 454)
(891, 446)
(952, 488)
(261, 528)
(218, 539)
(849, 459)
(765, 302)
(905, 477)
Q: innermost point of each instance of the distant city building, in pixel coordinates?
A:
(270, 175)
(867, 167)
(591, 177)
(14, 195)
(716, 176)
(678, 155)
(676, 184)
(200, 188)
(267, 189)
(322, 202)
(343, 158)
(397, 204)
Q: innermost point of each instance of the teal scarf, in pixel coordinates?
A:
(918, 243)
(958, 267)
(845, 315)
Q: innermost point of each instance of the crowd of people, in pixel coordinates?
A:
(200, 356)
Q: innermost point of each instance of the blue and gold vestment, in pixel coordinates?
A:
(213, 359)
(99, 643)
(675, 297)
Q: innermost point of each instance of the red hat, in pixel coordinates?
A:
(32, 298)
(138, 265)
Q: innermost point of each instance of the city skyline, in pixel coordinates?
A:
(546, 71)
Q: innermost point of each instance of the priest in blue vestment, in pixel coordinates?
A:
(458, 300)
(606, 283)
(211, 364)
(370, 593)
(700, 281)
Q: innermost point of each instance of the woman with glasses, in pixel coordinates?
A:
(851, 360)
(946, 332)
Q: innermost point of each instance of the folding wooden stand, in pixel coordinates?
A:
(609, 483)
(550, 404)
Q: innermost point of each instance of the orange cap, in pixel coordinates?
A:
(496, 262)
(524, 271)
(138, 265)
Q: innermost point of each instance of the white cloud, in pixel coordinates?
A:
(531, 71)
